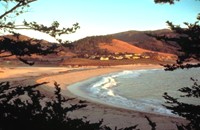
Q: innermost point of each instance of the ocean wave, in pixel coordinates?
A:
(103, 87)
(145, 105)
(113, 89)
(132, 73)
(103, 90)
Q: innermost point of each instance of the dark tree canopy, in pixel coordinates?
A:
(186, 38)
(26, 108)
(29, 113)
(189, 41)
(22, 49)
(14, 8)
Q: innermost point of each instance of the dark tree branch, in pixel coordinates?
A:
(152, 124)
(165, 1)
(11, 10)
(189, 111)
(19, 4)
(22, 49)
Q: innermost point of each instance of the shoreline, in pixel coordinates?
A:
(79, 91)
(84, 74)
(95, 111)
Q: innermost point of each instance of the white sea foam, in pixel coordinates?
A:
(132, 73)
(143, 94)
(103, 87)
(103, 90)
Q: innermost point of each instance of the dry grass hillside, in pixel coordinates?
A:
(90, 47)
(121, 46)
(142, 40)
(124, 47)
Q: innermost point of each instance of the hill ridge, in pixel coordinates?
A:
(142, 40)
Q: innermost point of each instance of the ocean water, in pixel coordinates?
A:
(140, 90)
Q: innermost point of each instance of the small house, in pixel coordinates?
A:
(104, 58)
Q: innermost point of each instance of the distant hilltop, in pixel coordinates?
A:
(142, 40)
(120, 48)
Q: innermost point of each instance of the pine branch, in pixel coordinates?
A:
(18, 5)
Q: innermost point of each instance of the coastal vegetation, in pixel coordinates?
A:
(188, 40)
(25, 107)
(89, 45)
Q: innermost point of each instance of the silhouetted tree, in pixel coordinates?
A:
(14, 8)
(189, 41)
(21, 49)
(189, 111)
(19, 7)
(24, 107)
(187, 38)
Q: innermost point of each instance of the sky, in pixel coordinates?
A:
(101, 17)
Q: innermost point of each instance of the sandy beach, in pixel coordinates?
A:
(64, 76)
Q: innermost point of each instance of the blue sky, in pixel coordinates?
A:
(99, 17)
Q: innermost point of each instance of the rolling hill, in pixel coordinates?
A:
(142, 40)
(121, 47)
(124, 47)
(6, 57)
(95, 46)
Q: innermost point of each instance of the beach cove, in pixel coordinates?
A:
(140, 90)
(94, 111)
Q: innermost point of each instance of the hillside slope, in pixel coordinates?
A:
(88, 51)
(118, 46)
(124, 47)
(121, 46)
(142, 40)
